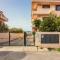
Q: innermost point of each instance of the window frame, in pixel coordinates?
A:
(46, 6)
(57, 8)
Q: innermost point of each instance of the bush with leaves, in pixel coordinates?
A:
(3, 27)
(37, 23)
(48, 24)
(16, 30)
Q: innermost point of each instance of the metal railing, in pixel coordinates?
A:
(16, 39)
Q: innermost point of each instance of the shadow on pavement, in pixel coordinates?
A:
(11, 55)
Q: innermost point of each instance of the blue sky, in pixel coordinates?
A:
(18, 13)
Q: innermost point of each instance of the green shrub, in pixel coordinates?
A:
(58, 49)
(3, 28)
(16, 30)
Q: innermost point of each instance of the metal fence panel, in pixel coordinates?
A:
(29, 39)
(16, 39)
(4, 39)
(49, 38)
(11, 39)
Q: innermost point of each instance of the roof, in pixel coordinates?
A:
(45, 0)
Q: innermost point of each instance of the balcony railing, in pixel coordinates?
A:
(41, 11)
(4, 18)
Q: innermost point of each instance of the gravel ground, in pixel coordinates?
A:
(29, 55)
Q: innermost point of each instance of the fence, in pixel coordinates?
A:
(41, 39)
(7, 39)
(16, 39)
(47, 39)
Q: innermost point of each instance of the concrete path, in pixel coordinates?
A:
(10, 55)
(43, 56)
(18, 53)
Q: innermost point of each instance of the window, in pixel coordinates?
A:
(58, 7)
(46, 6)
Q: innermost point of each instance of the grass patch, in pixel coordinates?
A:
(58, 49)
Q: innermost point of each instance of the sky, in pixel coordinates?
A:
(18, 13)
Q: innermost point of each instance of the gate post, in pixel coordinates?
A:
(9, 38)
(34, 38)
(24, 38)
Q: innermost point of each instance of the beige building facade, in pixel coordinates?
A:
(3, 18)
(41, 8)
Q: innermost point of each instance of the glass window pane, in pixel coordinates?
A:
(46, 6)
(58, 7)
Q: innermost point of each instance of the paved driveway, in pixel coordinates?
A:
(29, 55)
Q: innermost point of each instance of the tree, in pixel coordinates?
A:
(37, 23)
(3, 27)
(16, 30)
(49, 23)
(58, 24)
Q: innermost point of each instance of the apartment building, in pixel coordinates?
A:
(3, 18)
(41, 8)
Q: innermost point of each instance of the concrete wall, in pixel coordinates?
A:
(49, 45)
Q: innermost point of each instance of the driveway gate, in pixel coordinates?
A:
(16, 39)
(29, 39)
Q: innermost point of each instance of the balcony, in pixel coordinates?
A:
(3, 18)
(41, 11)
